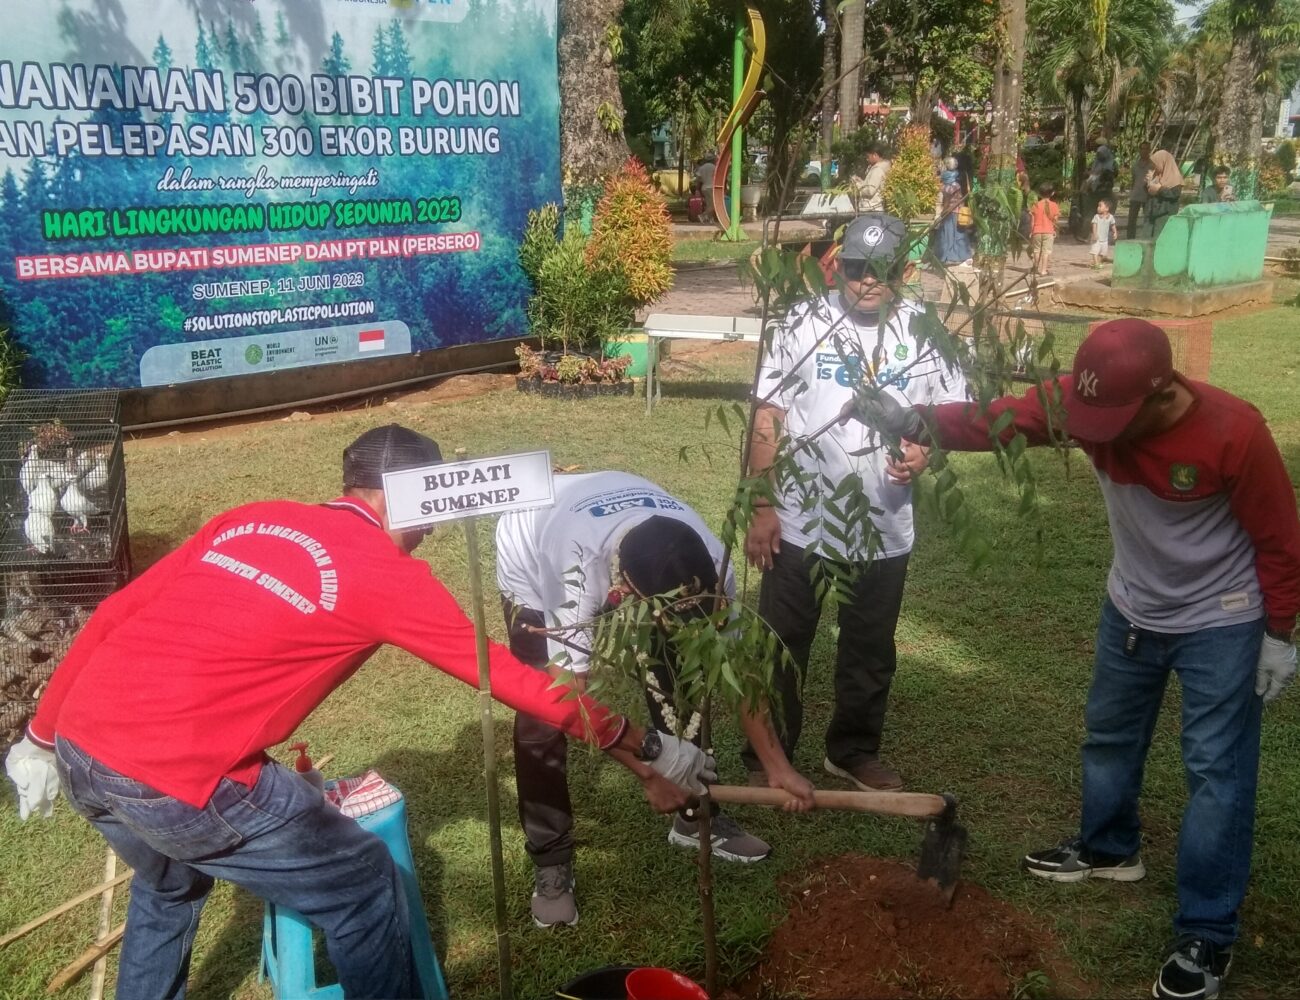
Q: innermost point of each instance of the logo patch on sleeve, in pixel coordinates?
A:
(1183, 477)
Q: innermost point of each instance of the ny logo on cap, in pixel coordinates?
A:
(873, 235)
(1086, 383)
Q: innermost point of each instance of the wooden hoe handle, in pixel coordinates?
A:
(919, 805)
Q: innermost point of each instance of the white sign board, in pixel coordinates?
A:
(453, 490)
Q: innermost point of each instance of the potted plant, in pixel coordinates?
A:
(587, 288)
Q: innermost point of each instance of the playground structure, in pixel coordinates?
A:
(731, 145)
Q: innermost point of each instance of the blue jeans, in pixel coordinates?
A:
(279, 840)
(1220, 740)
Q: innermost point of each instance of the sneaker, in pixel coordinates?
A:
(553, 901)
(1070, 861)
(730, 841)
(1194, 969)
(870, 775)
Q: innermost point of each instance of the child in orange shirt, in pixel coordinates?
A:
(1045, 215)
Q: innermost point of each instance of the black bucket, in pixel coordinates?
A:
(609, 983)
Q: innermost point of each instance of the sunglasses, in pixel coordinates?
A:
(856, 270)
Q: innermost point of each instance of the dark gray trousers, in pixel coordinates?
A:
(541, 752)
(865, 658)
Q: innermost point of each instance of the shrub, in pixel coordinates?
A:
(632, 233)
(1286, 157)
(912, 186)
(588, 289)
(1272, 177)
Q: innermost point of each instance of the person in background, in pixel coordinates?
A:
(822, 353)
(1099, 184)
(870, 189)
(157, 721)
(1164, 190)
(1219, 192)
(609, 538)
(1046, 218)
(953, 241)
(1204, 585)
(704, 181)
(1103, 228)
(1137, 195)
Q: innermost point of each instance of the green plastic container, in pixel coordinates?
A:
(634, 345)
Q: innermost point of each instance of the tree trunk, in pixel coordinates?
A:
(1007, 79)
(592, 144)
(1240, 124)
(851, 44)
(830, 51)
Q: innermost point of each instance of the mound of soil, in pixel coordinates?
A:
(863, 928)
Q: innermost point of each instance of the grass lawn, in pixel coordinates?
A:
(706, 249)
(988, 704)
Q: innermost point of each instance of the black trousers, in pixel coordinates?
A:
(1135, 210)
(541, 751)
(865, 658)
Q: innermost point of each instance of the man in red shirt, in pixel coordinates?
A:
(1205, 583)
(159, 717)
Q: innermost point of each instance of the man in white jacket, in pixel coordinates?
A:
(610, 536)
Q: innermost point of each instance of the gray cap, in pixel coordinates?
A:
(386, 449)
(873, 236)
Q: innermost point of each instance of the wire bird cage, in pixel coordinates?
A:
(64, 544)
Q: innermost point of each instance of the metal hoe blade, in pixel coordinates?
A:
(942, 851)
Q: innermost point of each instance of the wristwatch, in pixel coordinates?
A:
(651, 746)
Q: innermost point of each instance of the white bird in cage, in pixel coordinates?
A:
(43, 498)
(39, 529)
(78, 506)
(92, 469)
(35, 468)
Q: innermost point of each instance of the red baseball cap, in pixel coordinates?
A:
(1116, 368)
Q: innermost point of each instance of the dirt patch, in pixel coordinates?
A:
(864, 928)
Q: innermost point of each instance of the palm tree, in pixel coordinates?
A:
(1090, 56)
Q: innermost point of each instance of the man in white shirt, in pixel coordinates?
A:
(823, 352)
(704, 178)
(611, 536)
(871, 188)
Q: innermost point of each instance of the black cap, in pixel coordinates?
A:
(662, 554)
(873, 236)
(386, 449)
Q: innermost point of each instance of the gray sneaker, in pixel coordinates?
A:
(553, 901)
(730, 841)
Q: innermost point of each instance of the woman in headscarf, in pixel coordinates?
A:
(952, 241)
(1164, 189)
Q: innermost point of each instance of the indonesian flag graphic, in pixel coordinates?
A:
(370, 340)
(944, 112)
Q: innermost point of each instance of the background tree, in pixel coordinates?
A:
(592, 142)
(852, 24)
(1091, 55)
(1264, 37)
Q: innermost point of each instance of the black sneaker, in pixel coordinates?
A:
(553, 902)
(1070, 861)
(1194, 969)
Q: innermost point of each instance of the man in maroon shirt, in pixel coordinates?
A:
(157, 721)
(1205, 583)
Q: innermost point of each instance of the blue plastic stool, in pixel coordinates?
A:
(288, 955)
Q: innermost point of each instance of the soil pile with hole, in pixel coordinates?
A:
(864, 928)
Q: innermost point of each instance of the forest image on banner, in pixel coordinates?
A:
(201, 188)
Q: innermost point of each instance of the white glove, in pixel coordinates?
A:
(684, 764)
(1276, 667)
(31, 769)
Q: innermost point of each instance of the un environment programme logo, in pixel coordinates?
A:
(253, 354)
(1182, 477)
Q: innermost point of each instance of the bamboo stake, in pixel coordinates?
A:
(61, 909)
(100, 972)
(86, 959)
